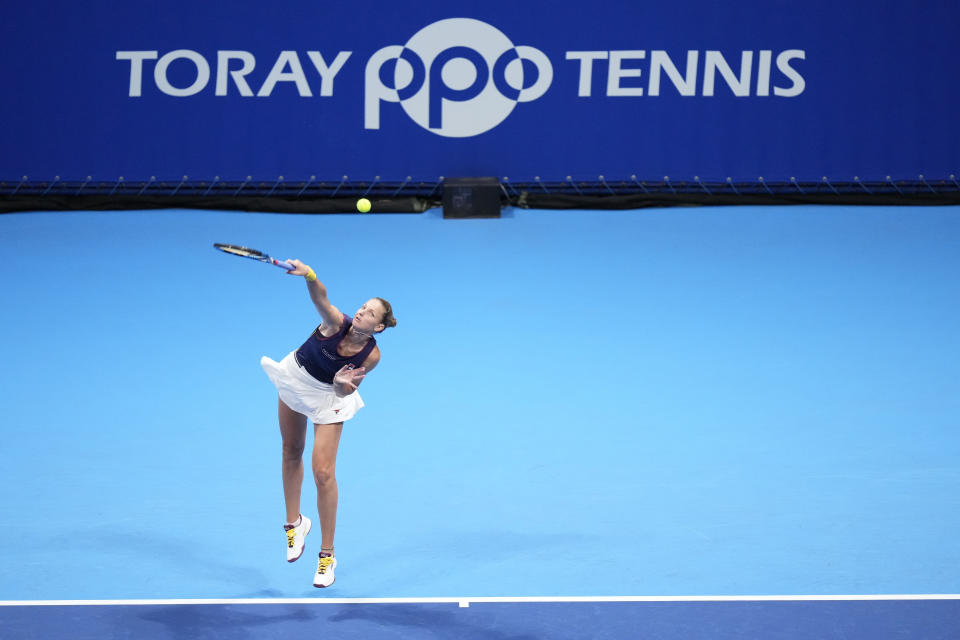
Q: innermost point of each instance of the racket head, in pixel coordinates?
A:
(253, 254)
(243, 252)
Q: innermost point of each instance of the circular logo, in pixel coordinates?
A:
(461, 77)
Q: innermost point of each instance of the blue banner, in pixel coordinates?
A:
(776, 89)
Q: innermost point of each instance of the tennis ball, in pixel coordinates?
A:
(363, 205)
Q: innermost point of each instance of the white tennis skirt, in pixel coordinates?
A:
(305, 394)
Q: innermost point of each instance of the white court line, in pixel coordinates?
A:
(467, 601)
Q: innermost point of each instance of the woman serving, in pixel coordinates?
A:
(319, 382)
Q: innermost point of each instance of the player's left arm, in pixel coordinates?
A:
(348, 380)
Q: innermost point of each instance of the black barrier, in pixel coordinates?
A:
(293, 198)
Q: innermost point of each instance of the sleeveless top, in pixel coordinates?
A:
(319, 356)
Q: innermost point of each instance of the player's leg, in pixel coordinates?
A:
(326, 442)
(293, 431)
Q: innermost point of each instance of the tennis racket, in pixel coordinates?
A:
(246, 252)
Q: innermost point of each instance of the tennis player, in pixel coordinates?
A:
(319, 382)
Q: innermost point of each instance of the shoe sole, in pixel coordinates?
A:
(309, 525)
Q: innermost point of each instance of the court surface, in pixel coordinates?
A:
(757, 407)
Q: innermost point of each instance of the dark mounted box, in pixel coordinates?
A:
(471, 198)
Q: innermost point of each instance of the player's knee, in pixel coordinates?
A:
(323, 476)
(292, 451)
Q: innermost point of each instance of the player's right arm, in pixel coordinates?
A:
(332, 318)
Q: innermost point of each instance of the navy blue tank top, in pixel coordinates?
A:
(318, 355)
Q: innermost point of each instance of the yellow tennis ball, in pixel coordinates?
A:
(363, 205)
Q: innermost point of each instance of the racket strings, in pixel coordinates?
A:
(239, 251)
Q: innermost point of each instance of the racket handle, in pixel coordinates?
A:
(283, 264)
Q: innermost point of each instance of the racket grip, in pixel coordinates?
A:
(283, 264)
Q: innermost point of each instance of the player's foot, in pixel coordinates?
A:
(295, 538)
(325, 567)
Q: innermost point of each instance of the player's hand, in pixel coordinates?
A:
(299, 269)
(349, 377)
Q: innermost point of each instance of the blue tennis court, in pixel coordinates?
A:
(726, 418)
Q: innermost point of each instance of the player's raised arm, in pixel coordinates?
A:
(318, 294)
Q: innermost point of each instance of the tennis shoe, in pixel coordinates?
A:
(296, 536)
(325, 567)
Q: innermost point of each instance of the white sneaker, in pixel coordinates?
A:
(296, 537)
(325, 567)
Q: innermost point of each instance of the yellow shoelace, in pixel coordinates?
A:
(323, 564)
(291, 535)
